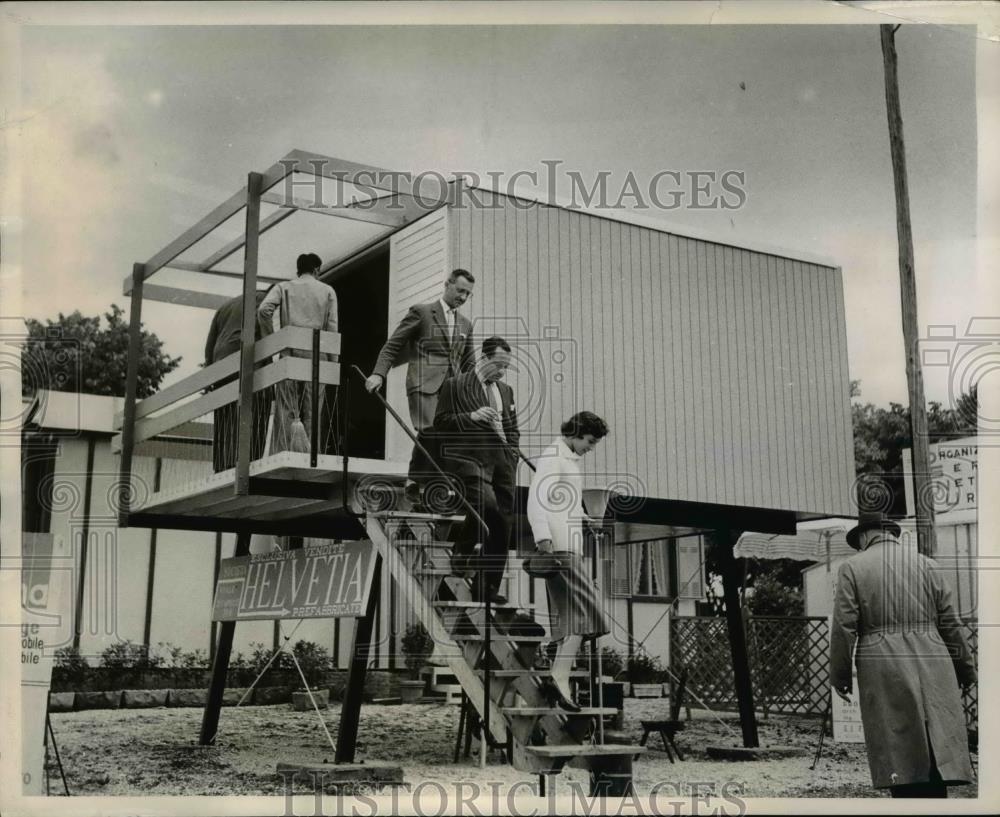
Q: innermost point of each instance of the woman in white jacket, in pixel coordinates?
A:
(556, 515)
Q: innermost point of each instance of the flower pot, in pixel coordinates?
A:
(301, 702)
(411, 691)
(647, 690)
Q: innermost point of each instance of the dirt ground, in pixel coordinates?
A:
(155, 752)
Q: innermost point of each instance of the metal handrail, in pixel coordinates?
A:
(487, 641)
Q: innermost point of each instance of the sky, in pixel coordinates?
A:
(128, 134)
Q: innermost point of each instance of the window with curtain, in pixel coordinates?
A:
(650, 569)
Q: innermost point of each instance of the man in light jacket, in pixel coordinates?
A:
(307, 302)
(911, 657)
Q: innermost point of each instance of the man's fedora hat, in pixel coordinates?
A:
(868, 520)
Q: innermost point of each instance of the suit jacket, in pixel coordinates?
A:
(422, 339)
(470, 447)
(226, 329)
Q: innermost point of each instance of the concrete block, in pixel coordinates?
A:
(187, 697)
(98, 700)
(262, 696)
(144, 698)
(61, 701)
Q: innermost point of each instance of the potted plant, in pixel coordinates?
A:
(644, 674)
(417, 647)
(314, 661)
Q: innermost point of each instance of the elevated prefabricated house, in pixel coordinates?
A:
(721, 370)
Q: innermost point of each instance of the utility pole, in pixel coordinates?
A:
(922, 483)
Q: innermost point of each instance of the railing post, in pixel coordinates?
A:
(131, 383)
(248, 334)
(314, 400)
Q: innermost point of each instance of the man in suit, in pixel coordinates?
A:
(436, 341)
(477, 423)
(224, 338)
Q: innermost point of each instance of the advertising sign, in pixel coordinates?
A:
(330, 580)
(45, 592)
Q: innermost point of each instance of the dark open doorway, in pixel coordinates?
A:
(363, 299)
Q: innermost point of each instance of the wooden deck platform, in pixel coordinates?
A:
(283, 488)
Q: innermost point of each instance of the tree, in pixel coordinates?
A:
(75, 353)
(881, 435)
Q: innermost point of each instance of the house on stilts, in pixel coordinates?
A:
(721, 370)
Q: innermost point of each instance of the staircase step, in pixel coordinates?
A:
(472, 605)
(584, 750)
(420, 517)
(536, 711)
(537, 673)
(437, 544)
(498, 636)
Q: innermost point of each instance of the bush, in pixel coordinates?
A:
(645, 669)
(69, 665)
(417, 648)
(313, 659)
(769, 597)
(128, 655)
(612, 662)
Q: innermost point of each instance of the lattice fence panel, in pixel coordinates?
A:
(788, 663)
(970, 699)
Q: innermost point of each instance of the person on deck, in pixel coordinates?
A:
(225, 338)
(307, 302)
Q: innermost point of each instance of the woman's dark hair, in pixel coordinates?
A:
(583, 423)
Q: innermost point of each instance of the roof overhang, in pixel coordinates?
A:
(340, 208)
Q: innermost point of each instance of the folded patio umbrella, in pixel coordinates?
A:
(813, 545)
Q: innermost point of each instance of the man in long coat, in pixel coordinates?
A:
(911, 657)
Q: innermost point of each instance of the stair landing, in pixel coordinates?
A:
(283, 488)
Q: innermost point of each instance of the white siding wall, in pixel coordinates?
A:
(418, 263)
(722, 372)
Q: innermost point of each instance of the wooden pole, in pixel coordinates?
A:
(737, 637)
(922, 482)
(248, 335)
(350, 712)
(131, 386)
(220, 666)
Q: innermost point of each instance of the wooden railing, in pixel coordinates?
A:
(217, 387)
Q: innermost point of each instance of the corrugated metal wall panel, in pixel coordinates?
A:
(721, 371)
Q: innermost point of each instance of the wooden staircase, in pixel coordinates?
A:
(539, 738)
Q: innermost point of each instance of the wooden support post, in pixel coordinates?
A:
(314, 402)
(923, 495)
(81, 582)
(737, 637)
(131, 381)
(248, 335)
(350, 713)
(220, 666)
